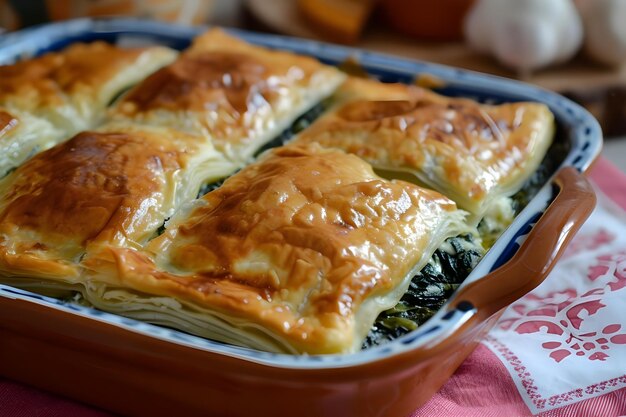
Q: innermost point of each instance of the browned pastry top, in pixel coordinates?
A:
(94, 186)
(467, 150)
(307, 243)
(194, 82)
(80, 67)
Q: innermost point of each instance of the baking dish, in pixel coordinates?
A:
(136, 368)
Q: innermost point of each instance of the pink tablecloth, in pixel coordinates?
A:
(560, 350)
(482, 386)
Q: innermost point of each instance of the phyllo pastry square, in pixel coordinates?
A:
(238, 95)
(71, 89)
(296, 253)
(473, 153)
(114, 186)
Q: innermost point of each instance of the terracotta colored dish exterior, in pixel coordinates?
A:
(119, 367)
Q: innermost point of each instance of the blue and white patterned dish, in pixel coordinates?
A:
(581, 130)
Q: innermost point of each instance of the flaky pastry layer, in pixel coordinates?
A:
(305, 247)
(70, 90)
(22, 136)
(238, 95)
(114, 187)
(473, 153)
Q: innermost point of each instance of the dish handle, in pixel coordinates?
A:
(538, 254)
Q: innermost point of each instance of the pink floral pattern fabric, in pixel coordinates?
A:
(566, 341)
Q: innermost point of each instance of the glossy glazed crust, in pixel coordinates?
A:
(238, 95)
(72, 88)
(114, 186)
(306, 246)
(471, 152)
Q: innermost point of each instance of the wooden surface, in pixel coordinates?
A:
(579, 75)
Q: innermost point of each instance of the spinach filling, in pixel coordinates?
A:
(429, 289)
(450, 265)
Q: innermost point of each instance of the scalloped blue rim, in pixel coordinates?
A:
(583, 131)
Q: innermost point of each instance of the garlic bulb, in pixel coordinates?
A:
(525, 34)
(605, 30)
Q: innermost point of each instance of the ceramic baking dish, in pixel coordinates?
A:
(139, 369)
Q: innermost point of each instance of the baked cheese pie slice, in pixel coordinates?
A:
(62, 93)
(473, 153)
(296, 253)
(236, 94)
(114, 186)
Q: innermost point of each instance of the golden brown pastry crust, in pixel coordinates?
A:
(59, 94)
(229, 80)
(466, 150)
(308, 244)
(112, 187)
(79, 69)
(238, 95)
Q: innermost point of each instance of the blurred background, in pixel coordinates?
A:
(574, 47)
